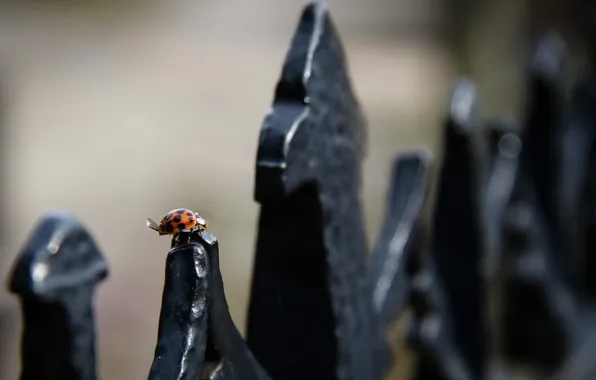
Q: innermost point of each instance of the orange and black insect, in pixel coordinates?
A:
(179, 220)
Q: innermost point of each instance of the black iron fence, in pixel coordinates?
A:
(495, 283)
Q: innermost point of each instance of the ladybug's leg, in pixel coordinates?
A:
(196, 230)
(176, 238)
(184, 236)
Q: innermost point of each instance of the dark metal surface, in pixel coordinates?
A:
(197, 337)
(182, 334)
(55, 277)
(456, 236)
(538, 308)
(574, 204)
(504, 147)
(520, 227)
(575, 183)
(397, 249)
(310, 314)
(237, 361)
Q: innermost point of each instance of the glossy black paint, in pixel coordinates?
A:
(182, 334)
(55, 277)
(197, 338)
(310, 270)
(456, 244)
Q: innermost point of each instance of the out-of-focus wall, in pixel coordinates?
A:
(112, 115)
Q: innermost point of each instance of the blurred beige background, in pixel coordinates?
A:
(110, 109)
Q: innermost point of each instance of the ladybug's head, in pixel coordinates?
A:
(155, 227)
(161, 230)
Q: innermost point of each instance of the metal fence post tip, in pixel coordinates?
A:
(197, 338)
(314, 113)
(543, 118)
(548, 58)
(183, 319)
(456, 247)
(406, 198)
(463, 107)
(310, 263)
(398, 246)
(55, 276)
(398, 239)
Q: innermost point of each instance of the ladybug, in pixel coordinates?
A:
(179, 220)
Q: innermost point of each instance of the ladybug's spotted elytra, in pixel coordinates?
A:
(179, 220)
